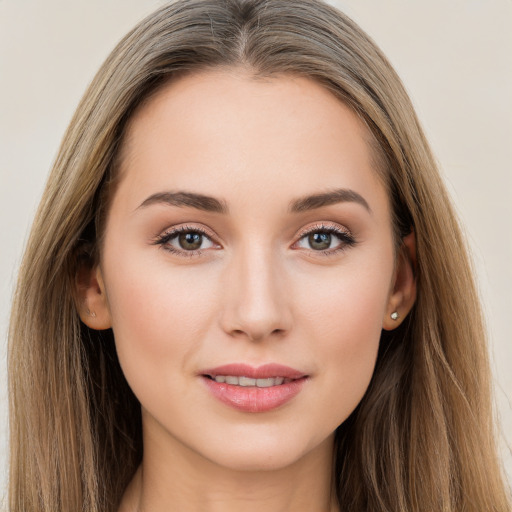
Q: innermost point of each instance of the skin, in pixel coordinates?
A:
(257, 292)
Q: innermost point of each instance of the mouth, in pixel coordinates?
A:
(254, 389)
(247, 382)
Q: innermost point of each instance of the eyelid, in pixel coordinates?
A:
(323, 226)
(181, 228)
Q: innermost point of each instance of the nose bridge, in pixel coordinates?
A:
(256, 303)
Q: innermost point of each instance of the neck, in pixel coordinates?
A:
(191, 483)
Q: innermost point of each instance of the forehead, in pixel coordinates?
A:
(226, 128)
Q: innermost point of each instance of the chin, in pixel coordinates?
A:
(265, 452)
(256, 460)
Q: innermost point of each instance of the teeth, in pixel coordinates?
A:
(248, 382)
(265, 383)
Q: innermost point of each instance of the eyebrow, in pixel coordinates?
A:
(341, 195)
(190, 199)
(211, 204)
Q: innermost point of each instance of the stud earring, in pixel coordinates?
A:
(395, 315)
(91, 313)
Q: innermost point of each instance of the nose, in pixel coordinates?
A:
(256, 303)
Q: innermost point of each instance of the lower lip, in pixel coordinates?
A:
(254, 399)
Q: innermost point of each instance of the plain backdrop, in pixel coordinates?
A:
(454, 56)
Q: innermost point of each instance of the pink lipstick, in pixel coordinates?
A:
(254, 389)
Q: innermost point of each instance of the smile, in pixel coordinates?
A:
(254, 389)
(250, 382)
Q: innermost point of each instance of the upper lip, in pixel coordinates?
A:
(265, 371)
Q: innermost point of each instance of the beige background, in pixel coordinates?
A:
(454, 56)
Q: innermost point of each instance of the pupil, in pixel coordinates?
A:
(190, 241)
(320, 241)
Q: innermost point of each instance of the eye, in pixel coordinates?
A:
(327, 239)
(191, 240)
(185, 241)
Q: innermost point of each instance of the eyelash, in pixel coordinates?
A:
(345, 238)
(164, 239)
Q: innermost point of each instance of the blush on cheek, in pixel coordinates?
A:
(350, 332)
(354, 367)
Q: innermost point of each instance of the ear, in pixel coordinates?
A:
(92, 301)
(403, 292)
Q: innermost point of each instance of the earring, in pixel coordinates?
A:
(91, 313)
(395, 315)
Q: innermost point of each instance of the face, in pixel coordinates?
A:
(248, 267)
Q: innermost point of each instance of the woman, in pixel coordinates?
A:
(245, 263)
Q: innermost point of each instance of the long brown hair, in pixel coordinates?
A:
(422, 438)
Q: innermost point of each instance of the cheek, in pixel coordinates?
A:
(345, 321)
(347, 303)
(159, 315)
